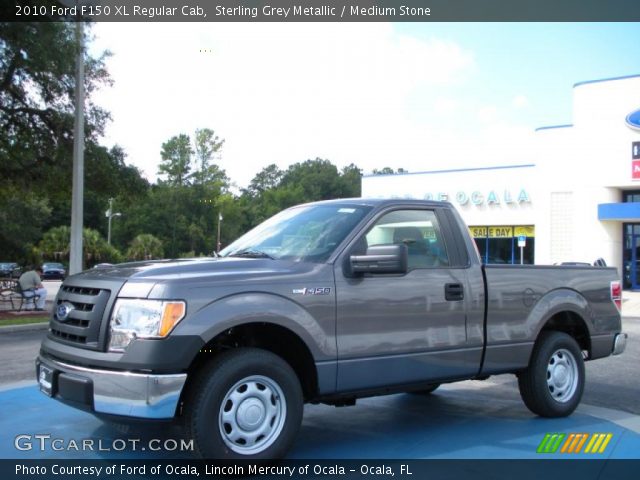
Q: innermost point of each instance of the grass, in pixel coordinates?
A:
(23, 320)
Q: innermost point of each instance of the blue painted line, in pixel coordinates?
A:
(445, 425)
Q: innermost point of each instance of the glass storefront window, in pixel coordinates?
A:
(499, 244)
(632, 196)
(631, 256)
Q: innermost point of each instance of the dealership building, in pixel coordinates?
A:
(576, 198)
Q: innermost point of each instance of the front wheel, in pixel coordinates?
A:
(247, 404)
(553, 383)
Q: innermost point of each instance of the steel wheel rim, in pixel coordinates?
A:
(562, 375)
(252, 415)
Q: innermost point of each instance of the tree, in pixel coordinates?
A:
(176, 160)
(37, 84)
(318, 179)
(22, 214)
(351, 179)
(269, 177)
(55, 243)
(55, 246)
(206, 145)
(145, 247)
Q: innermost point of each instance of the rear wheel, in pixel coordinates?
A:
(553, 383)
(247, 404)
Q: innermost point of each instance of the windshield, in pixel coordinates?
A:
(305, 233)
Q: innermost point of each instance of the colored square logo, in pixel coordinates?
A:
(635, 150)
(635, 169)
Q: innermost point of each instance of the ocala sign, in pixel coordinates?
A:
(493, 197)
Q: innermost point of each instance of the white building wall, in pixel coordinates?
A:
(508, 184)
(581, 166)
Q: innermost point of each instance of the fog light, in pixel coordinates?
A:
(120, 339)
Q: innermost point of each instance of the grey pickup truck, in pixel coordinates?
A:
(324, 302)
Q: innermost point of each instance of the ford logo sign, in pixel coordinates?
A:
(633, 120)
(63, 311)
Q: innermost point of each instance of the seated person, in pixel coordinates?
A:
(31, 285)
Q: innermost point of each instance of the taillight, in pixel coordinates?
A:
(616, 294)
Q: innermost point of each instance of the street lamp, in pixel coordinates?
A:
(219, 225)
(109, 214)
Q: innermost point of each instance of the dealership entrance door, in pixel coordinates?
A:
(499, 244)
(631, 256)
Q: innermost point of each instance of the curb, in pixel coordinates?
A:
(24, 328)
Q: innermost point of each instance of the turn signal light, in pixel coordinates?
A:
(173, 313)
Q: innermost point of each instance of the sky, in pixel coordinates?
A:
(418, 96)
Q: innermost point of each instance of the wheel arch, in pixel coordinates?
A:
(563, 310)
(271, 337)
(569, 322)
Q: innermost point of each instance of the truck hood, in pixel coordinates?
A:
(200, 269)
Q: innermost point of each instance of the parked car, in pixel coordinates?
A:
(10, 270)
(325, 302)
(53, 271)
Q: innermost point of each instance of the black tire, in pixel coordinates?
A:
(553, 383)
(427, 390)
(262, 398)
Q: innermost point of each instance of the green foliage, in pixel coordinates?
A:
(37, 68)
(272, 189)
(22, 214)
(37, 88)
(206, 146)
(318, 179)
(269, 177)
(55, 245)
(145, 247)
(176, 160)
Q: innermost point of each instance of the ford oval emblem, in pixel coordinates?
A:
(63, 311)
(633, 120)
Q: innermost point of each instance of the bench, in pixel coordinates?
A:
(12, 294)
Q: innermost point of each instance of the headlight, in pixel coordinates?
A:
(133, 318)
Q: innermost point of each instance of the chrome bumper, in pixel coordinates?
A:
(120, 393)
(619, 343)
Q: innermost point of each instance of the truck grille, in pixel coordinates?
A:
(82, 324)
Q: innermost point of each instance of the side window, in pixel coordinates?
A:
(419, 230)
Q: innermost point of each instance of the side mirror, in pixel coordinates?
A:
(381, 259)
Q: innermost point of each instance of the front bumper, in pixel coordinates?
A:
(111, 392)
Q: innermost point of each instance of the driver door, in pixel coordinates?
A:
(401, 329)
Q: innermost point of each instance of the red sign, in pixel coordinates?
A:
(635, 169)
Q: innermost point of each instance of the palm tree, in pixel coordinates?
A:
(55, 243)
(145, 247)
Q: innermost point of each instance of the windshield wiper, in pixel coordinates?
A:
(250, 253)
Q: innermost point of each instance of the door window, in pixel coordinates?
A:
(418, 230)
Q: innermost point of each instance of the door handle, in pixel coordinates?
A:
(453, 292)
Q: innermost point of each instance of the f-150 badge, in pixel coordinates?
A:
(312, 291)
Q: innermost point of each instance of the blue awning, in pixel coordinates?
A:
(628, 212)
